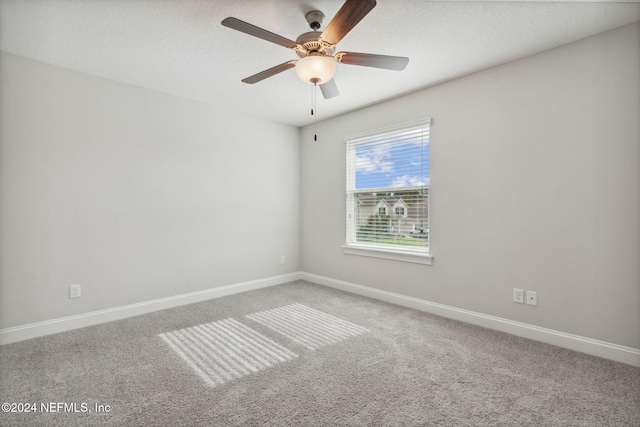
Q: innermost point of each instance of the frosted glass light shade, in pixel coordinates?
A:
(315, 69)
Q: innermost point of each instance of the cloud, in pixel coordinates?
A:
(374, 160)
(409, 181)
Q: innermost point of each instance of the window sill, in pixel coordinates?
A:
(393, 254)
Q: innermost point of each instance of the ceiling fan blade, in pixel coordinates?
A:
(252, 30)
(397, 63)
(329, 89)
(351, 12)
(270, 72)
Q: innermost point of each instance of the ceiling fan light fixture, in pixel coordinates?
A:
(315, 69)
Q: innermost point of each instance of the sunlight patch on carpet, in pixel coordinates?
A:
(223, 351)
(307, 326)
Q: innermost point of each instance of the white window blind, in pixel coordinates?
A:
(385, 169)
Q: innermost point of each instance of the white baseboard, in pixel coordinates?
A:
(62, 324)
(591, 346)
(619, 353)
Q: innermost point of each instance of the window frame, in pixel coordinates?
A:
(392, 252)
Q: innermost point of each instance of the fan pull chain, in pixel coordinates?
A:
(313, 88)
(314, 91)
(314, 110)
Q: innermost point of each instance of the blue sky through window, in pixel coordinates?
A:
(403, 163)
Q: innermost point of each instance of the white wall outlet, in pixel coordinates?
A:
(282, 260)
(74, 291)
(518, 295)
(532, 298)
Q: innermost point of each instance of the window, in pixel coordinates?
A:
(388, 178)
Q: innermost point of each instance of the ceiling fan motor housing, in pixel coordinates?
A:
(311, 43)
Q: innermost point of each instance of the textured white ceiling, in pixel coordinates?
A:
(179, 47)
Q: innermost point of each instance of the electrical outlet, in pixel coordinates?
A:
(282, 260)
(532, 298)
(518, 295)
(74, 291)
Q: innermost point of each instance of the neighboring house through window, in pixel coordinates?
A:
(388, 180)
(382, 207)
(400, 208)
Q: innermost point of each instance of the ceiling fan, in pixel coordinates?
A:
(317, 61)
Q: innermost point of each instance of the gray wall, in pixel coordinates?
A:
(133, 194)
(535, 184)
